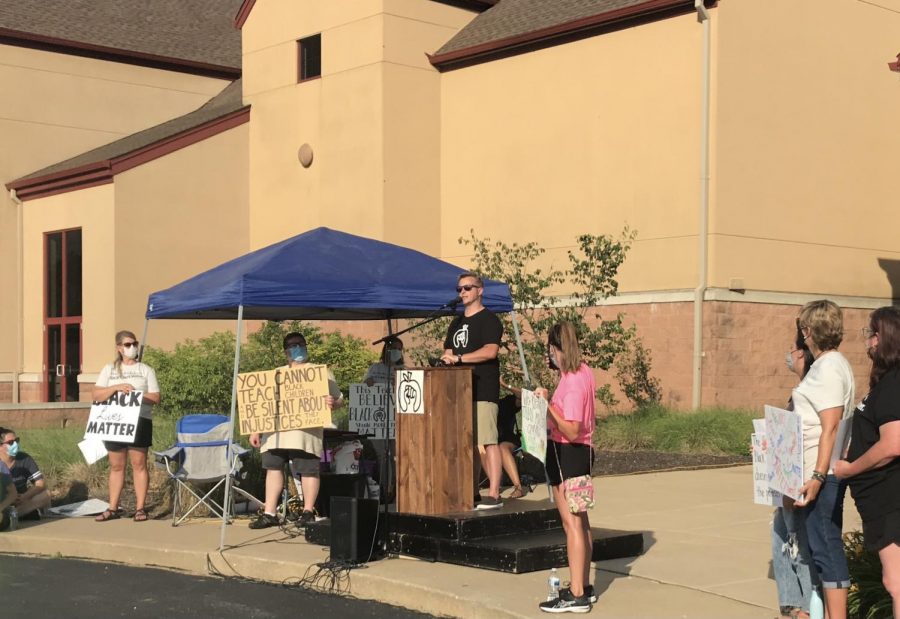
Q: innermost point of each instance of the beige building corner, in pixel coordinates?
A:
(416, 121)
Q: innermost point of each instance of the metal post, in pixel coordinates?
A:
(234, 377)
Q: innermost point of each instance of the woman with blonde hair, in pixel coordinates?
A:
(127, 374)
(570, 457)
(823, 398)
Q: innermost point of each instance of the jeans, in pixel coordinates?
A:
(824, 521)
(790, 559)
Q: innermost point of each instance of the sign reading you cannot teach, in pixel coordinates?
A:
(283, 399)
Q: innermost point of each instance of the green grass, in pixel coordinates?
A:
(718, 431)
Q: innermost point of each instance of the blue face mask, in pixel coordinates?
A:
(298, 353)
(13, 449)
(396, 356)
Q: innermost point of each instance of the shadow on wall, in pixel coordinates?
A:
(891, 268)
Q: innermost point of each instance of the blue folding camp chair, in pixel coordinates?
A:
(200, 456)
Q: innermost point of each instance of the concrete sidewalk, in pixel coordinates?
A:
(707, 552)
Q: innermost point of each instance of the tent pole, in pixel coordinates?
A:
(143, 343)
(237, 364)
(515, 324)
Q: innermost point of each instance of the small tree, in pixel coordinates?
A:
(592, 273)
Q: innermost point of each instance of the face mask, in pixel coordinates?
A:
(13, 449)
(551, 361)
(396, 356)
(130, 352)
(298, 354)
(789, 361)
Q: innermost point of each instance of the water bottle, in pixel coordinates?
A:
(13, 519)
(553, 585)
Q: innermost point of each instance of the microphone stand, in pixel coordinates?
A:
(438, 313)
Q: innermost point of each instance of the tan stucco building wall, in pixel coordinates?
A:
(372, 119)
(54, 106)
(155, 225)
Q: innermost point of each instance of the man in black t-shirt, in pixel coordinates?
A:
(474, 339)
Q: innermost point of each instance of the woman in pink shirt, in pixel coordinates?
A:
(570, 419)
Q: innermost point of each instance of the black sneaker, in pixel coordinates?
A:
(306, 517)
(34, 515)
(589, 591)
(567, 603)
(489, 502)
(264, 521)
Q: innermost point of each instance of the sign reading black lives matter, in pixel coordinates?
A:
(369, 410)
(115, 419)
(283, 399)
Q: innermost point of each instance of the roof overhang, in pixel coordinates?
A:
(608, 21)
(78, 48)
(102, 172)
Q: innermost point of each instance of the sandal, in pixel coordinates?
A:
(140, 516)
(108, 514)
(518, 492)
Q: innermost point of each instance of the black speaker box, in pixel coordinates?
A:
(353, 528)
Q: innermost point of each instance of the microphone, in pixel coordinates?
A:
(453, 302)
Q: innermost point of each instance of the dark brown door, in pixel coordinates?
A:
(62, 315)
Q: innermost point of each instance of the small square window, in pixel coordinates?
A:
(309, 58)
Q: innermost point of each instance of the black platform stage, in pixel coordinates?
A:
(522, 536)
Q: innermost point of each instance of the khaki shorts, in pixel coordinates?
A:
(486, 428)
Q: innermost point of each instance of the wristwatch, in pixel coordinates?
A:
(459, 359)
(819, 477)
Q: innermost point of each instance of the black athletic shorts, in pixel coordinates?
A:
(576, 459)
(143, 437)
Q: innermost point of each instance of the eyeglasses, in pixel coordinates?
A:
(867, 332)
(10, 441)
(467, 287)
(129, 344)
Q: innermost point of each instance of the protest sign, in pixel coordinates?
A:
(370, 410)
(410, 394)
(115, 419)
(784, 456)
(534, 425)
(762, 494)
(283, 399)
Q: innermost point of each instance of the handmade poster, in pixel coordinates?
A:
(759, 426)
(534, 425)
(784, 434)
(115, 419)
(283, 399)
(410, 394)
(762, 494)
(370, 410)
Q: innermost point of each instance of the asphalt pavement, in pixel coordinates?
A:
(33, 587)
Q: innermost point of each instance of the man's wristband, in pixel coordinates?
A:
(819, 477)
(459, 359)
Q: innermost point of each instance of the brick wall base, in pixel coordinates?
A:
(743, 363)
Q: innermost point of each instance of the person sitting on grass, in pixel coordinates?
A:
(8, 496)
(33, 495)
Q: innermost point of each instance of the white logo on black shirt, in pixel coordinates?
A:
(461, 337)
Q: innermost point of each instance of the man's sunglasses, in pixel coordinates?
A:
(467, 287)
(129, 344)
(10, 442)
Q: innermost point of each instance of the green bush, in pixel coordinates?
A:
(196, 377)
(656, 428)
(867, 598)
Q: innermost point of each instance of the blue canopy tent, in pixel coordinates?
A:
(322, 274)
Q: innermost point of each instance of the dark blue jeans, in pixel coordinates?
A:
(824, 520)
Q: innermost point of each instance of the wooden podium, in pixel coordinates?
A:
(435, 469)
